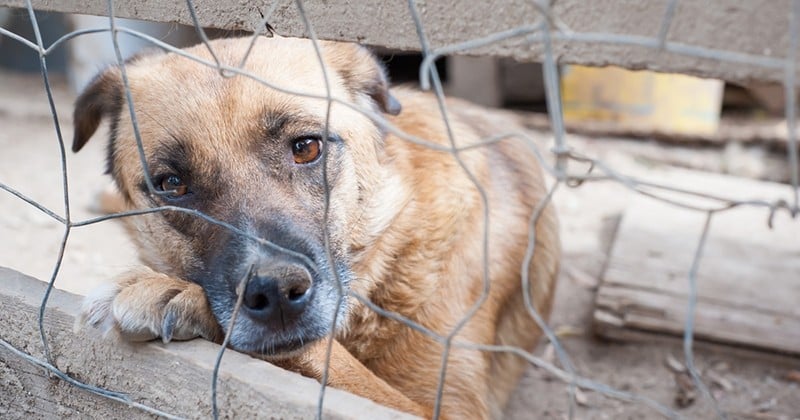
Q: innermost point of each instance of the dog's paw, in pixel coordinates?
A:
(143, 305)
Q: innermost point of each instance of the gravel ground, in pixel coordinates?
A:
(748, 385)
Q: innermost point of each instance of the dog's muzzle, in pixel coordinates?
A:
(291, 298)
(277, 293)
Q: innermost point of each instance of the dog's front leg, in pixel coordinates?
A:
(347, 373)
(142, 305)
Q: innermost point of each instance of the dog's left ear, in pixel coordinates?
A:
(101, 98)
(363, 73)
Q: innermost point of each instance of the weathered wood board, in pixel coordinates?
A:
(174, 378)
(748, 281)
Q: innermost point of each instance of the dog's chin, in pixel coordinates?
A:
(279, 353)
(272, 350)
(275, 345)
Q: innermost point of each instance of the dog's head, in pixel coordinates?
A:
(253, 158)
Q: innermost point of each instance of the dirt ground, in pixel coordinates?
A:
(747, 384)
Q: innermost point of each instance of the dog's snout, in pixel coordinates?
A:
(277, 293)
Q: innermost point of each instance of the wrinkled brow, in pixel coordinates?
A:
(279, 123)
(174, 154)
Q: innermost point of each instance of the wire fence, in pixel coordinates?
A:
(544, 29)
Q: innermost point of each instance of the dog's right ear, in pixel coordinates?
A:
(102, 98)
(362, 73)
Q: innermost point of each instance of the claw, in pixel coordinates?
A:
(168, 326)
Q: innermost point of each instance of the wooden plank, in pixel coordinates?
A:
(175, 378)
(748, 282)
(745, 30)
(766, 130)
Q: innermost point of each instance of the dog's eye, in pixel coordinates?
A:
(306, 150)
(173, 185)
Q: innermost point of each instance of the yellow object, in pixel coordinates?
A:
(641, 100)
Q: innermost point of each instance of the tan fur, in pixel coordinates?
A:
(408, 216)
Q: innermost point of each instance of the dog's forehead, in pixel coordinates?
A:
(280, 66)
(182, 92)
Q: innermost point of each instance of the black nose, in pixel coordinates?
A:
(278, 293)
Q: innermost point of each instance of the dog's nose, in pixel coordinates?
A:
(277, 293)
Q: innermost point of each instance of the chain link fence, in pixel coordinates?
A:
(543, 30)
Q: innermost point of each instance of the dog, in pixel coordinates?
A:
(315, 205)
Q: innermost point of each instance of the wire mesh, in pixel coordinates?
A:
(545, 28)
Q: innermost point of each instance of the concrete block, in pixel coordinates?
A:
(755, 30)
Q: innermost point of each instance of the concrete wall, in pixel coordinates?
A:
(746, 28)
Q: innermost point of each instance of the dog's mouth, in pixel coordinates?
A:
(251, 336)
(275, 350)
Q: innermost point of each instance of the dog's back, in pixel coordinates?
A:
(430, 263)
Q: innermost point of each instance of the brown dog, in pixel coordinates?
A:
(404, 224)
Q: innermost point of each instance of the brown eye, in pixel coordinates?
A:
(174, 186)
(306, 150)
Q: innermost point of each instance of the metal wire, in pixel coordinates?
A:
(240, 289)
(546, 27)
(340, 291)
(688, 333)
(473, 309)
(65, 183)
